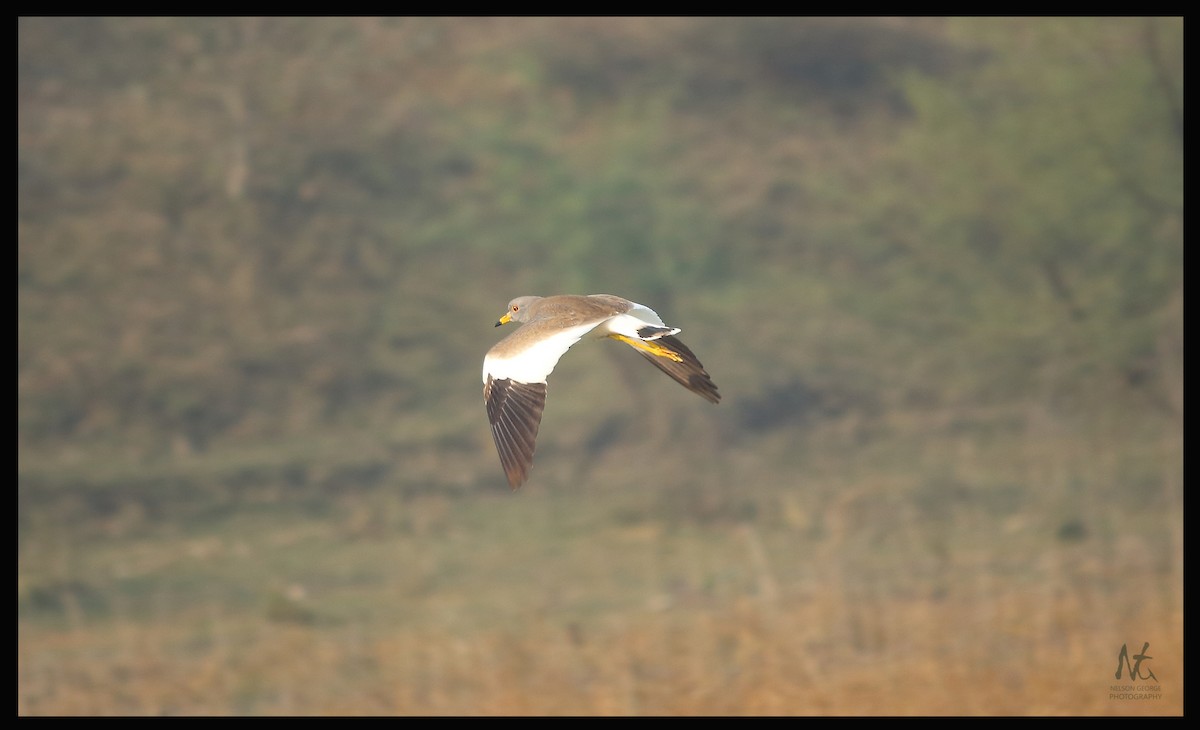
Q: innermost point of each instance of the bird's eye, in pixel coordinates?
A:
(515, 307)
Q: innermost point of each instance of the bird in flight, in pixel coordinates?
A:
(515, 370)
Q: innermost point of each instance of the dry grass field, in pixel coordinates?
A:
(919, 657)
(844, 598)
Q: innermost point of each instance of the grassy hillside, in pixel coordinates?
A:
(935, 267)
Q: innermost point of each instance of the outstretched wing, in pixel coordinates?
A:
(514, 389)
(515, 410)
(687, 370)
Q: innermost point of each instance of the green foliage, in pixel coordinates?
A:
(238, 238)
(1047, 246)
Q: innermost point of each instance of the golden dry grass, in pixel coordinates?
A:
(810, 655)
(967, 639)
(986, 577)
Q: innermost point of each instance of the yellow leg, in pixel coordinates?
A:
(649, 347)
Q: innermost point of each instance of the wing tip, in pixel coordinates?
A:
(688, 371)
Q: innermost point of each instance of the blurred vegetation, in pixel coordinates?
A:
(236, 236)
(926, 260)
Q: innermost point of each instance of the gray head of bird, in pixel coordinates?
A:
(518, 310)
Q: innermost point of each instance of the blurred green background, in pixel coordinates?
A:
(934, 265)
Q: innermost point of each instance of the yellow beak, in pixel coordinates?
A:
(505, 319)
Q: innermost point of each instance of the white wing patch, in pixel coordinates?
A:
(638, 316)
(534, 363)
(646, 314)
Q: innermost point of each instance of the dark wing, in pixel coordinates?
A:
(688, 372)
(515, 410)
